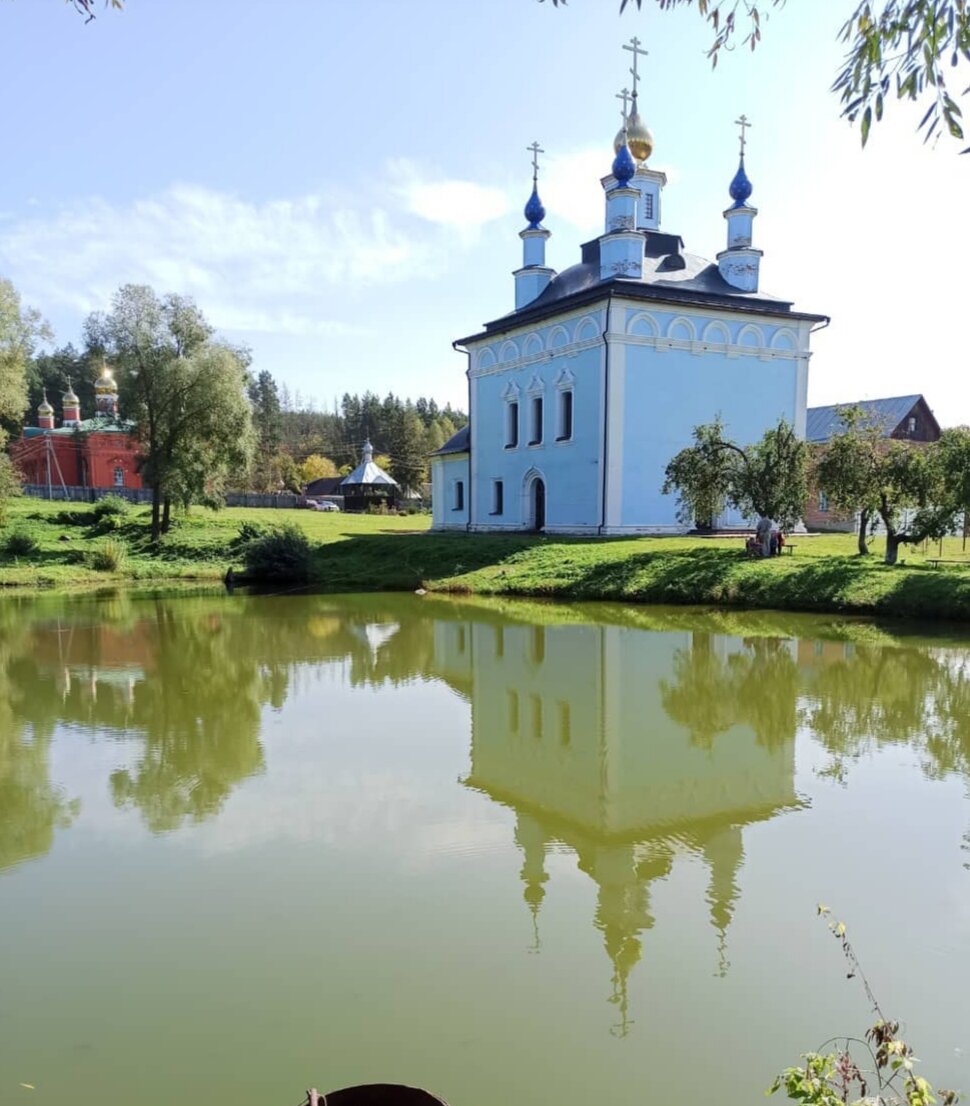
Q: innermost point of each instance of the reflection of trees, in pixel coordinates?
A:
(757, 686)
(199, 713)
(871, 696)
(30, 807)
(189, 676)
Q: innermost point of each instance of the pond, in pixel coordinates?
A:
(512, 852)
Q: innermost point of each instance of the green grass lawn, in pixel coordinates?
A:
(373, 552)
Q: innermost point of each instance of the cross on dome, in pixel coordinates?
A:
(534, 211)
(743, 124)
(637, 53)
(634, 133)
(740, 188)
(623, 95)
(536, 150)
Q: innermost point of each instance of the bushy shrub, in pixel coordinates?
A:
(279, 555)
(107, 524)
(112, 556)
(248, 531)
(19, 543)
(111, 506)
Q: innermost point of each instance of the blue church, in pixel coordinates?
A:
(581, 395)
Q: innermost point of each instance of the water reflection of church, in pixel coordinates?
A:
(572, 729)
(637, 751)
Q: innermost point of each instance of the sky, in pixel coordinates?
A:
(340, 185)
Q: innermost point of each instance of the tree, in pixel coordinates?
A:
(703, 475)
(185, 392)
(846, 469)
(769, 478)
(267, 413)
(220, 447)
(913, 500)
(894, 47)
(267, 417)
(316, 467)
(954, 449)
(20, 330)
(408, 461)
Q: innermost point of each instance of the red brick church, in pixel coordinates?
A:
(99, 452)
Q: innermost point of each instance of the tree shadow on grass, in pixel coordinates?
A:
(392, 561)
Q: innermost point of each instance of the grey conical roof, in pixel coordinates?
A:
(367, 472)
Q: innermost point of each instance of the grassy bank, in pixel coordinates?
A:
(365, 553)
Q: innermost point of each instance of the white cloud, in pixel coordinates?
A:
(460, 208)
(261, 266)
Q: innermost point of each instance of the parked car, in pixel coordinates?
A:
(326, 505)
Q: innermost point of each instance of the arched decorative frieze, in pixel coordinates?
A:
(558, 336)
(681, 330)
(784, 339)
(750, 336)
(565, 379)
(716, 334)
(509, 352)
(532, 346)
(587, 329)
(643, 325)
(486, 358)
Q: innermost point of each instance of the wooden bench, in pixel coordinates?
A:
(937, 561)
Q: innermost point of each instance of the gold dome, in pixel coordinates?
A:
(106, 383)
(45, 408)
(638, 136)
(69, 399)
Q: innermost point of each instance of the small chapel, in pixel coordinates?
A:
(579, 397)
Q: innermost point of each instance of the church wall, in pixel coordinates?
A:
(564, 355)
(671, 371)
(446, 473)
(574, 720)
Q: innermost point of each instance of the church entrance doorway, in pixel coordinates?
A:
(538, 504)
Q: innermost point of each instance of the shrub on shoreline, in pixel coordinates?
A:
(282, 555)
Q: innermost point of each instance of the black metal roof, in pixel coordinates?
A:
(669, 275)
(457, 443)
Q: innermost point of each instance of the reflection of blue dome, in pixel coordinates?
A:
(623, 166)
(741, 188)
(534, 211)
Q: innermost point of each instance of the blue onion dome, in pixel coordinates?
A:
(741, 188)
(534, 211)
(623, 166)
